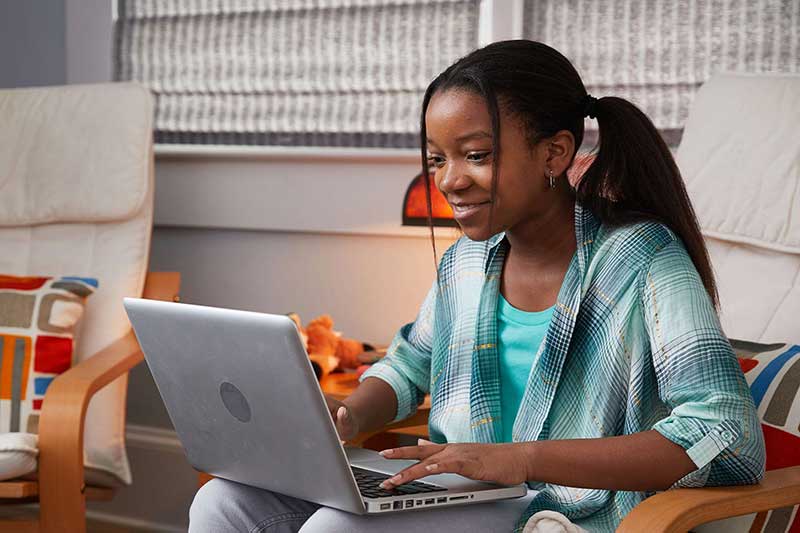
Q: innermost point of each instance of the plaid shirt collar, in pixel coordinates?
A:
(542, 384)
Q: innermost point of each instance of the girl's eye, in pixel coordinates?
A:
(435, 161)
(478, 157)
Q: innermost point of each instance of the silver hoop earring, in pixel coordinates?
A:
(552, 179)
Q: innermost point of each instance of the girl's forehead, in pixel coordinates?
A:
(457, 108)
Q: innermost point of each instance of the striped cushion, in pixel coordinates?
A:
(38, 316)
(773, 374)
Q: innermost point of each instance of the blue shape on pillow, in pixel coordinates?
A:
(763, 380)
(89, 281)
(40, 385)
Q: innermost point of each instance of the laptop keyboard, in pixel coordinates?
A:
(368, 482)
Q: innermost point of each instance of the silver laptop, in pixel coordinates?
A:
(246, 405)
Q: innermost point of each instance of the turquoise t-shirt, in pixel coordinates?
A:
(519, 334)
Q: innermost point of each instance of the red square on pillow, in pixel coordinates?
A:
(53, 354)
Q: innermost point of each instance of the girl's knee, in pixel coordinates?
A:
(225, 506)
(206, 511)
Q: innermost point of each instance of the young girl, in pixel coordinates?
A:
(571, 338)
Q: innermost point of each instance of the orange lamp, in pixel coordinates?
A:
(415, 206)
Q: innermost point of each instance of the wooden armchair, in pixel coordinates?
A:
(76, 199)
(60, 488)
(679, 510)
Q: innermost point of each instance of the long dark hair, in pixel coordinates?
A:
(632, 177)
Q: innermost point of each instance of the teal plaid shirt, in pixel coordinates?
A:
(634, 344)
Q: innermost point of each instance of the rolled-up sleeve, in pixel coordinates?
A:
(407, 364)
(712, 414)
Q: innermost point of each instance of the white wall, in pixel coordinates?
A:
(32, 37)
(53, 42)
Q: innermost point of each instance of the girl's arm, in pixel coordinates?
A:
(373, 404)
(644, 461)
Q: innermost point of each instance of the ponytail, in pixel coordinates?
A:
(633, 178)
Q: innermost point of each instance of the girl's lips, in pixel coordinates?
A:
(464, 211)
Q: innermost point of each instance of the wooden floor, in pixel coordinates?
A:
(95, 526)
(92, 525)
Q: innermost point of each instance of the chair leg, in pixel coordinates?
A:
(67, 513)
(62, 502)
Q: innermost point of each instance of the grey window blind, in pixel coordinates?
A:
(290, 72)
(657, 53)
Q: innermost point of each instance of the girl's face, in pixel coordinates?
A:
(459, 132)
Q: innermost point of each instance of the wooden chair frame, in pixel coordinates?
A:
(678, 510)
(60, 489)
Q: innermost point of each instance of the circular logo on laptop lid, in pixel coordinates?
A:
(234, 401)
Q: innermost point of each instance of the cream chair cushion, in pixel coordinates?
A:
(76, 199)
(740, 157)
(18, 452)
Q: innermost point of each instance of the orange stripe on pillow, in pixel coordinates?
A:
(6, 366)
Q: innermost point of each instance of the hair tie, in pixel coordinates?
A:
(589, 106)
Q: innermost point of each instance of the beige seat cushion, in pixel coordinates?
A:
(76, 198)
(740, 157)
(18, 454)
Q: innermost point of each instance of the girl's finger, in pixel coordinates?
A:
(343, 422)
(412, 452)
(448, 466)
(407, 475)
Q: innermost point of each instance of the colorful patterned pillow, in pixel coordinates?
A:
(38, 317)
(773, 373)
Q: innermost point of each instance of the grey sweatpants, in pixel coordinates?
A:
(222, 506)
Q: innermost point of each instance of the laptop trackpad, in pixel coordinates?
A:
(372, 460)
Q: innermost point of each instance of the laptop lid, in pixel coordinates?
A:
(244, 401)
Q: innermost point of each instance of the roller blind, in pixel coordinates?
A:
(657, 53)
(290, 72)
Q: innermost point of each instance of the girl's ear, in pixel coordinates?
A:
(560, 148)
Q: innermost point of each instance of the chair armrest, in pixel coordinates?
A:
(679, 510)
(162, 286)
(61, 422)
(67, 397)
(66, 400)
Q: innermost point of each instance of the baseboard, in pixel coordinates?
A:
(152, 438)
(136, 523)
(163, 486)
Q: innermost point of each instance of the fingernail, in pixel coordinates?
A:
(432, 467)
(341, 412)
(386, 452)
(384, 485)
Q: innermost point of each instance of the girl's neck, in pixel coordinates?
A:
(547, 240)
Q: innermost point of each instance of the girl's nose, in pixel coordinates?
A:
(452, 179)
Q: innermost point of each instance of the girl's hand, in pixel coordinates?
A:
(343, 418)
(499, 463)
